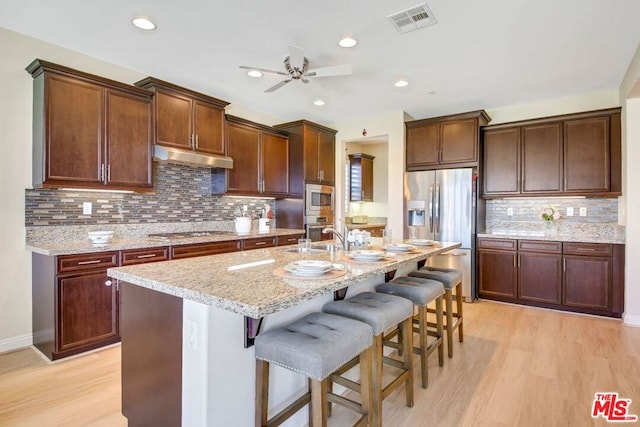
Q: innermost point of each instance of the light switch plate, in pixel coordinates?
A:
(86, 208)
(583, 211)
(509, 211)
(569, 211)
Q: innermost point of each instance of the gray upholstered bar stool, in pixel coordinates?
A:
(421, 292)
(451, 279)
(382, 312)
(314, 346)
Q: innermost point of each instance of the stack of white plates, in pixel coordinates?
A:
(422, 242)
(367, 255)
(308, 268)
(399, 247)
(100, 238)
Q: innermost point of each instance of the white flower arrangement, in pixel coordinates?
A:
(549, 214)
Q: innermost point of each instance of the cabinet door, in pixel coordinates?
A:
(326, 157)
(74, 131)
(243, 147)
(87, 310)
(459, 141)
(497, 274)
(587, 282)
(540, 277)
(542, 158)
(367, 179)
(203, 249)
(129, 136)
(209, 126)
(422, 146)
(586, 155)
(502, 161)
(275, 164)
(174, 126)
(311, 167)
(261, 242)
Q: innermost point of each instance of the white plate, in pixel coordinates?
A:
(400, 247)
(310, 265)
(366, 255)
(307, 273)
(422, 242)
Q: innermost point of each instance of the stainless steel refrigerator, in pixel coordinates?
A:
(441, 205)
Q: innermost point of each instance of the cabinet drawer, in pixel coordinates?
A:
(288, 240)
(84, 262)
(187, 251)
(540, 246)
(593, 249)
(504, 244)
(265, 242)
(140, 256)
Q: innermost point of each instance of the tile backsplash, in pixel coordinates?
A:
(526, 211)
(181, 194)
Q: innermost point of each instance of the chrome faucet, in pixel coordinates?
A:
(338, 235)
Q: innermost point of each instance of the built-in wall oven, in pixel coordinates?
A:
(319, 205)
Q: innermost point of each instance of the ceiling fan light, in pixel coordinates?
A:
(347, 42)
(318, 102)
(254, 73)
(401, 83)
(143, 23)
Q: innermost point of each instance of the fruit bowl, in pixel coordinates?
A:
(100, 237)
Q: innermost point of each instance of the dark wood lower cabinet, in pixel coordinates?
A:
(580, 277)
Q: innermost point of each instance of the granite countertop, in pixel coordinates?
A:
(255, 291)
(74, 245)
(591, 235)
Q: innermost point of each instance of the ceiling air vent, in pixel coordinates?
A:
(411, 19)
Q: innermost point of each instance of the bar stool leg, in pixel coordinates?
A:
(459, 313)
(422, 324)
(365, 386)
(407, 344)
(439, 329)
(318, 409)
(449, 309)
(262, 393)
(376, 379)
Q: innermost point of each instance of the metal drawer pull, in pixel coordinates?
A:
(260, 243)
(146, 256)
(93, 261)
(587, 249)
(108, 283)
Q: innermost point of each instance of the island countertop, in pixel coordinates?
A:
(244, 282)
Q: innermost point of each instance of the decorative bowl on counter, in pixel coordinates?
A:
(100, 237)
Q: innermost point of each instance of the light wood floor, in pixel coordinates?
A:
(518, 366)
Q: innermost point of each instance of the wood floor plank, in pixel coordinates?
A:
(518, 366)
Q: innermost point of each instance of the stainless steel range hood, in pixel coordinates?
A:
(168, 154)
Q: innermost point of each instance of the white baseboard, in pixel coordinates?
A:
(15, 343)
(631, 319)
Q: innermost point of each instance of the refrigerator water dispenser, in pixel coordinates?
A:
(416, 213)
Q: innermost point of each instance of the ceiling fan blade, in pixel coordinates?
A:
(336, 70)
(264, 70)
(296, 56)
(277, 86)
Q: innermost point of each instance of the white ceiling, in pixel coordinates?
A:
(480, 54)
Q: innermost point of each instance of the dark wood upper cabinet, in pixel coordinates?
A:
(312, 155)
(361, 177)
(187, 119)
(89, 132)
(261, 159)
(444, 142)
(542, 158)
(577, 154)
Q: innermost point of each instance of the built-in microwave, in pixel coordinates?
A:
(319, 200)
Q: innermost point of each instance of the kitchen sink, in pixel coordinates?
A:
(318, 248)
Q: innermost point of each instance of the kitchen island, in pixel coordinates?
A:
(187, 327)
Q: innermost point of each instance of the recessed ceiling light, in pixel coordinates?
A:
(347, 42)
(254, 73)
(318, 102)
(144, 24)
(401, 83)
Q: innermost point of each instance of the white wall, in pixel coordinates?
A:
(392, 125)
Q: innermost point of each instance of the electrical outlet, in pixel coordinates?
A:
(192, 334)
(509, 211)
(569, 211)
(86, 208)
(583, 211)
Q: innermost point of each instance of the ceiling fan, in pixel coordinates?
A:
(297, 68)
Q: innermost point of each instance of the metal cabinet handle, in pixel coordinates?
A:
(514, 261)
(102, 172)
(196, 141)
(108, 283)
(564, 265)
(260, 243)
(108, 173)
(146, 256)
(191, 143)
(93, 261)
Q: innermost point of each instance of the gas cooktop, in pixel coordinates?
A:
(186, 234)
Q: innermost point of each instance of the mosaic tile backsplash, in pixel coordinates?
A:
(181, 194)
(526, 212)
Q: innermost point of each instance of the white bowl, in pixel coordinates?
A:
(100, 237)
